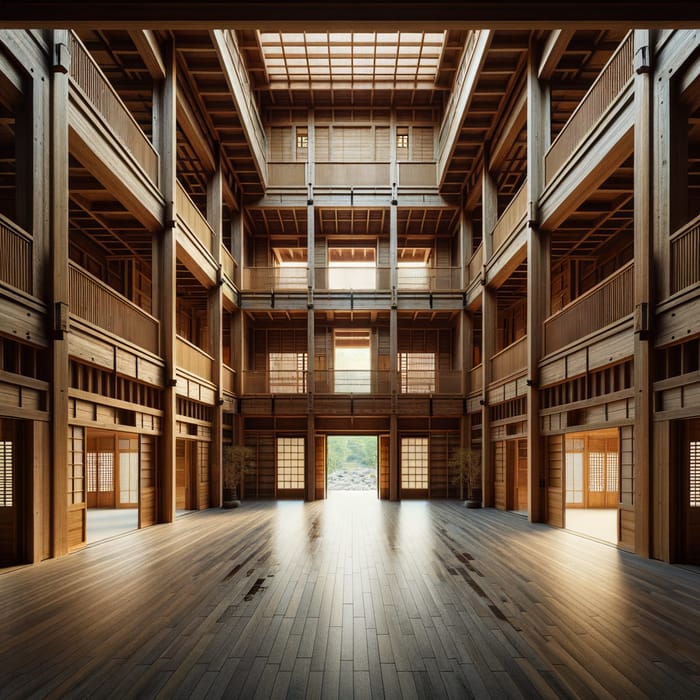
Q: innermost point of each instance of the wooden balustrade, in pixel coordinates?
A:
(610, 82)
(353, 278)
(193, 359)
(16, 256)
(228, 379)
(192, 218)
(476, 262)
(510, 360)
(417, 174)
(352, 381)
(429, 278)
(281, 174)
(371, 174)
(249, 104)
(95, 302)
(228, 264)
(511, 217)
(277, 278)
(685, 256)
(89, 78)
(275, 381)
(476, 380)
(609, 301)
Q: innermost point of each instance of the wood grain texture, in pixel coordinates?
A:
(346, 597)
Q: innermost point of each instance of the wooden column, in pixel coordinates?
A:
(489, 318)
(60, 380)
(394, 468)
(643, 298)
(310, 466)
(215, 323)
(538, 288)
(167, 262)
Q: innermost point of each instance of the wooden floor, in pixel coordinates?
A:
(350, 597)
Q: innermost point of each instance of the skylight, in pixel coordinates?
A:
(319, 58)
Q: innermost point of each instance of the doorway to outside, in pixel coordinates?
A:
(352, 462)
(592, 466)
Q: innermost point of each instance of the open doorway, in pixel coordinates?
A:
(112, 476)
(352, 462)
(592, 495)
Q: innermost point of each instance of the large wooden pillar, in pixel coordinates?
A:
(643, 297)
(60, 380)
(310, 466)
(489, 319)
(394, 468)
(167, 262)
(538, 273)
(215, 324)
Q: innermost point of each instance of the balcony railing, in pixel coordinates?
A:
(246, 102)
(95, 302)
(369, 174)
(609, 301)
(510, 360)
(88, 76)
(511, 217)
(608, 85)
(277, 278)
(449, 124)
(193, 359)
(228, 264)
(685, 256)
(16, 256)
(352, 381)
(431, 279)
(275, 382)
(476, 262)
(417, 174)
(228, 379)
(475, 379)
(424, 382)
(192, 218)
(351, 278)
(282, 174)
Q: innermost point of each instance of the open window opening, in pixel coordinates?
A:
(352, 268)
(353, 361)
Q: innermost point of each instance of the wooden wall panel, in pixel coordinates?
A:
(555, 480)
(499, 474)
(147, 482)
(261, 483)
(203, 475)
(320, 467)
(384, 456)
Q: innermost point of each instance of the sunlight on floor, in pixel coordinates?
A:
(103, 523)
(600, 523)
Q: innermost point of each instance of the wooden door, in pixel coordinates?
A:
(555, 480)
(100, 468)
(691, 494)
(182, 474)
(383, 480)
(10, 494)
(147, 481)
(521, 489)
(320, 467)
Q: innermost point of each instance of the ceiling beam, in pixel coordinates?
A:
(553, 50)
(408, 15)
(147, 45)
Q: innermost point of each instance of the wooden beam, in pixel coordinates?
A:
(147, 45)
(348, 14)
(552, 52)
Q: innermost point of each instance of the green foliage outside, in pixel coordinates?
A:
(348, 451)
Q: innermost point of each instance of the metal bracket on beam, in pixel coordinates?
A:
(642, 60)
(61, 59)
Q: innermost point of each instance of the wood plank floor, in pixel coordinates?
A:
(351, 597)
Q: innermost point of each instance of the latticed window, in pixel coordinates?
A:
(417, 372)
(694, 474)
(596, 471)
(6, 473)
(287, 372)
(414, 463)
(290, 462)
(613, 475)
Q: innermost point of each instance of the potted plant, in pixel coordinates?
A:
(237, 462)
(466, 463)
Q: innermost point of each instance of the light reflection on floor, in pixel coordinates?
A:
(600, 523)
(103, 523)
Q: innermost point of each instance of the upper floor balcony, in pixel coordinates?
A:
(16, 258)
